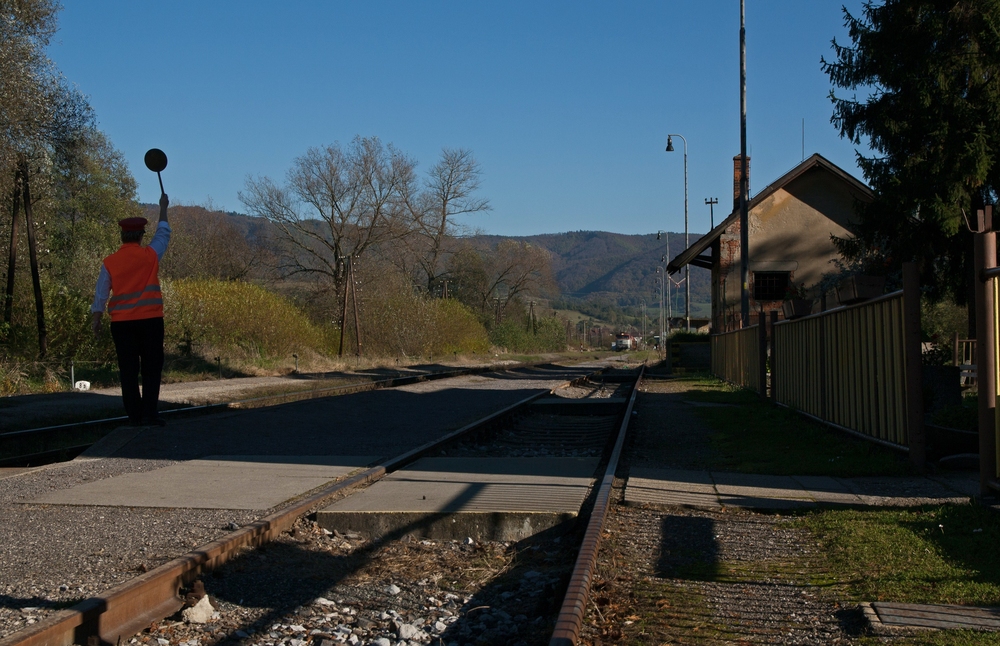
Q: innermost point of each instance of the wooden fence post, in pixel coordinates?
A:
(914, 369)
(774, 366)
(985, 258)
(762, 354)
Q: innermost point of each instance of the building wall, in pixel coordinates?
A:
(789, 231)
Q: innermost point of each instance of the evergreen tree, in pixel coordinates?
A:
(929, 75)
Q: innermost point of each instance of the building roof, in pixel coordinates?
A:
(692, 255)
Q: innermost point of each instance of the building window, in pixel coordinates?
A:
(770, 285)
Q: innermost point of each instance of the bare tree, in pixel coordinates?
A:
(500, 275)
(207, 244)
(337, 202)
(450, 192)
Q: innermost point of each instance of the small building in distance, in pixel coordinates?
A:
(791, 223)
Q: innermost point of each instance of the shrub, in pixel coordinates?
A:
(395, 321)
(229, 315)
(549, 336)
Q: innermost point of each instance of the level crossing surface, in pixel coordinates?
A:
(55, 552)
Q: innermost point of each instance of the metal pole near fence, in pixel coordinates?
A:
(762, 354)
(985, 265)
(914, 369)
(774, 365)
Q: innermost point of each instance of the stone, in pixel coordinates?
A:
(382, 641)
(200, 613)
(392, 589)
(297, 628)
(321, 601)
(440, 626)
(407, 631)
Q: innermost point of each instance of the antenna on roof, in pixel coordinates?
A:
(803, 138)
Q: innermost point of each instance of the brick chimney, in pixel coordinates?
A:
(736, 181)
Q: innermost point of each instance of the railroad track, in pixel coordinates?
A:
(66, 441)
(294, 540)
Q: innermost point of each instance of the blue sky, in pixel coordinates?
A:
(566, 105)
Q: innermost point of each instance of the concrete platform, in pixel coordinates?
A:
(213, 482)
(881, 614)
(481, 498)
(711, 490)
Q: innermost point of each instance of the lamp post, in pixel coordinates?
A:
(687, 244)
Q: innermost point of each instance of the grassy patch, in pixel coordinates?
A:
(754, 436)
(944, 638)
(964, 416)
(941, 554)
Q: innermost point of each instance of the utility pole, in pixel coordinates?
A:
(711, 201)
(744, 211)
(354, 299)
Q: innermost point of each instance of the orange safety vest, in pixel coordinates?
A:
(134, 283)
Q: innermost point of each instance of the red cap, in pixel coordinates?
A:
(133, 224)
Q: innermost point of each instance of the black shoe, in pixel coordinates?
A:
(154, 421)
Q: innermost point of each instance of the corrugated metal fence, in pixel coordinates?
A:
(856, 368)
(847, 367)
(736, 357)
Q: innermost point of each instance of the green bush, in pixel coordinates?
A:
(549, 336)
(395, 322)
(232, 315)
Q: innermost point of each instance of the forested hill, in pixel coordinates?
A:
(613, 267)
(594, 266)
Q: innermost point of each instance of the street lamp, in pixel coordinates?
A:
(687, 244)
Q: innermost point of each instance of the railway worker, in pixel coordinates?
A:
(131, 277)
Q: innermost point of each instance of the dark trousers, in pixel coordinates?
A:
(140, 349)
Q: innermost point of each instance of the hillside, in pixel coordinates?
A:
(611, 269)
(615, 268)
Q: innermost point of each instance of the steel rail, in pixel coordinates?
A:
(125, 609)
(574, 607)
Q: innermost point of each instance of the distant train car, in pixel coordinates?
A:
(625, 341)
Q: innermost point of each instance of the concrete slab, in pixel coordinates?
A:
(658, 492)
(754, 486)
(213, 482)
(671, 487)
(904, 492)
(827, 490)
(941, 617)
(455, 498)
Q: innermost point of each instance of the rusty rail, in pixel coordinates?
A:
(574, 607)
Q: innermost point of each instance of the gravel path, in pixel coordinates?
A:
(674, 575)
(52, 556)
